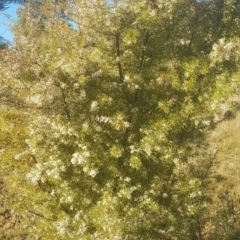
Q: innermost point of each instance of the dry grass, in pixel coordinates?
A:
(226, 140)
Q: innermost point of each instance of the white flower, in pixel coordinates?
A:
(103, 119)
(76, 85)
(36, 99)
(176, 161)
(193, 195)
(94, 106)
(62, 226)
(63, 85)
(82, 94)
(222, 41)
(69, 199)
(86, 154)
(70, 131)
(229, 46)
(74, 161)
(18, 156)
(78, 158)
(196, 122)
(97, 74)
(126, 78)
(85, 125)
(164, 195)
(132, 149)
(206, 122)
(34, 177)
(127, 179)
(98, 129)
(153, 12)
(224, 107)
(126, 124)
(175, 197)
(92, 173)
(184, 41)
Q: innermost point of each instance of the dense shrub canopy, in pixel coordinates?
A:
(119, 97)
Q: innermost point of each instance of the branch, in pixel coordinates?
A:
(153, 4)
(227, 116)
(13, 72)
(119, 55)
(145, 41)
(212, 159)
(65, 105)
(40, 215)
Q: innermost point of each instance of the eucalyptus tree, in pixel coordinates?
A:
(4, 3)
(3, 6)
(119, 105)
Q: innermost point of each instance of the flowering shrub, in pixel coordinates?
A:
(118, 109)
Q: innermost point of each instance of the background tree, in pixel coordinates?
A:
(3, 5)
